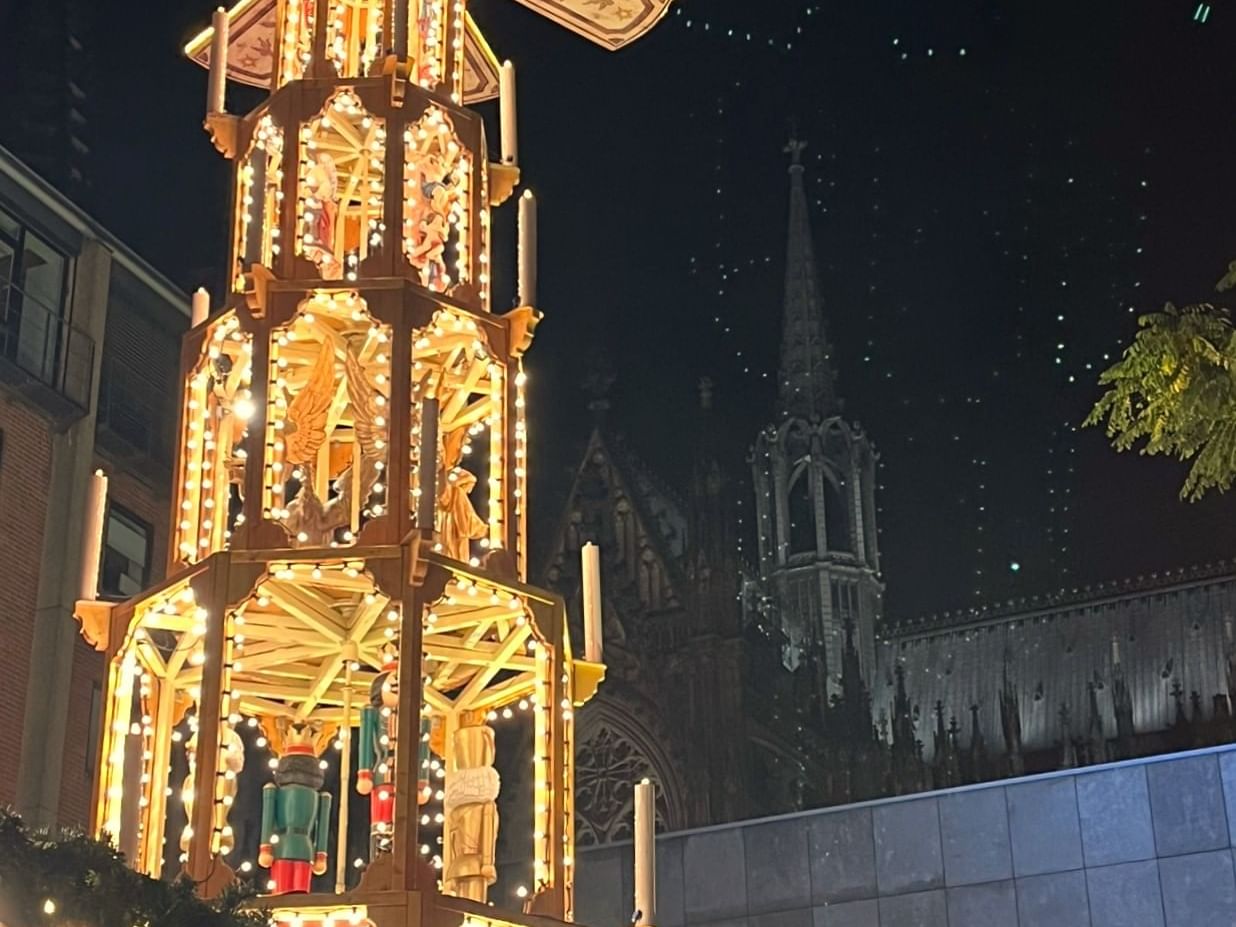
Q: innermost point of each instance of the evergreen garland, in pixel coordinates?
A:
(48, 880)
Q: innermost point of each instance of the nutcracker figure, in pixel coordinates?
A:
(295, 814)
(376, 752)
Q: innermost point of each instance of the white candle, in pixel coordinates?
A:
(201, 307)
(92, 535)
(527, 249)
(590, 570)
(506, 112)
(216, 87)
(645, 854)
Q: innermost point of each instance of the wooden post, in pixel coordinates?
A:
(404, 852)
(552, 901)
(427, 467)
(399, 28)
(209, 708)
(160, 770)
(345, 774)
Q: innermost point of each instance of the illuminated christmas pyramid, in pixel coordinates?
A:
(346, 608)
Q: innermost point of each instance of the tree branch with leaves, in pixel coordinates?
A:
(1173, 392)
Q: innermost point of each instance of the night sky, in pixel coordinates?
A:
(999, 189)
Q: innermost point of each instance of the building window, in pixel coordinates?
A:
(33, 277)
(802, 513)
(126, 554)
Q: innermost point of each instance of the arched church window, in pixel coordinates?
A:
(341, 184)
(436, 202)
(801, 513)
(610, 759)
(259, 195)
(837, 531)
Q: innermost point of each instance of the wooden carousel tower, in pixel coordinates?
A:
(350, 516)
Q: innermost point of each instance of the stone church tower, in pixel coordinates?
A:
(814, 479)
(693, 698)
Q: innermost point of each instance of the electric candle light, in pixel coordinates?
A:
(527, 249)
(92, 535)
(201, 307)
(645, 855)
(507, 111)
(217, 83)
(590, 561)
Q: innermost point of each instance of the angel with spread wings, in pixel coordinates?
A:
(305, 432)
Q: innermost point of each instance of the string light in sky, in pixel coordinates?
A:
(783, 42)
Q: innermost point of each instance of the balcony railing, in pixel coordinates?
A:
(42, 349)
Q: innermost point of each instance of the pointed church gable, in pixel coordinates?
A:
(640, 528)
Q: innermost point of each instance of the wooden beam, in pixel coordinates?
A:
(476, 370)
(328, 672)
(161, 621)
(473, 413)
(509, 646)
(505, 692)
(437, 700)
(254, 705)
(276, 654)
(450, 623)
(481, 655)
(184, 646)
(307, 609)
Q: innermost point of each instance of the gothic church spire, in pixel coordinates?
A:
(807, 380)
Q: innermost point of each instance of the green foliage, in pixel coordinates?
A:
(90, 886)
(1175, 389)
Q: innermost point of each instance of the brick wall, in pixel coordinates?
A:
(25, 462)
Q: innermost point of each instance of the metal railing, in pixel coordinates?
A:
(39, 341)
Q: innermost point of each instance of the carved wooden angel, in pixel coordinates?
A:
(458, 523)
(308, 514)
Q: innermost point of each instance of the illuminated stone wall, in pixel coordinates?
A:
(1133, 844)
